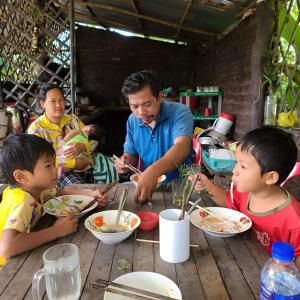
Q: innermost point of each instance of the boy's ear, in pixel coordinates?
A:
(42, 104)
(20, 176)
(272, 177)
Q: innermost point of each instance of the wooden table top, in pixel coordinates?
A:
(219, 269)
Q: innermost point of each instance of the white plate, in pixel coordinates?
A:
(148, 281)
(53, 207)
(230, 214)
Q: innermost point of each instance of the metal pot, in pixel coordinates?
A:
(206, 140)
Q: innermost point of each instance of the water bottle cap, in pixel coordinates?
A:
(283, 251)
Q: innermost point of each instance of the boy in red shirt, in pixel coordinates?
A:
(265, 157)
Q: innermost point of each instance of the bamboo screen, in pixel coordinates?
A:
(283, 74)
(35, 47)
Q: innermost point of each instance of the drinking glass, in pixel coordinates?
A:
(180, 190)
(62, 273)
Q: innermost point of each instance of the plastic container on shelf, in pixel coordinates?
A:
(270, 111)
(280, 278)
(218, 165)
(191, 101)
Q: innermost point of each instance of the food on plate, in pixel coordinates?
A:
(62, 209)
(225, 225)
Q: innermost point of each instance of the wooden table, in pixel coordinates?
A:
(219, 269)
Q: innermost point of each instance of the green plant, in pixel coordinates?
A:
(281, 76)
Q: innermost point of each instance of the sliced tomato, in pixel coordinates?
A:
(98, 221)
(202, 214)
(243, 219)
(133, 222)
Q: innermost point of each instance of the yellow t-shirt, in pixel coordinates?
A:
(20, 211)
(53, 133)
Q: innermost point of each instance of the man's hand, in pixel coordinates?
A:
(146, 186)
(121, 161)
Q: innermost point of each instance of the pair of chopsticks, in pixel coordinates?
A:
(128, 165)
(185, 201)
(110, 186)
(107, 188)
(157, 242)
(125, 290)
(122, 201)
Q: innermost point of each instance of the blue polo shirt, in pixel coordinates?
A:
(150, 145)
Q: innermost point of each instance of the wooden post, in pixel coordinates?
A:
(261, 50)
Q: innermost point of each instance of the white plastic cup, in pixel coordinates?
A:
(223, 123)
(174, 236)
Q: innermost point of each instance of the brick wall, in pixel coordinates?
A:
(228, 65)
(105, 59)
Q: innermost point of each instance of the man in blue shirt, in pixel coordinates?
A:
(159, 133)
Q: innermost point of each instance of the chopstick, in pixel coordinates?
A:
(107, 188)
(157, 242)
(128, 165)
(88, 205)
(122, 292)
(231, 192)
(185, 201)
(122, 201)
(132, 291)
(110, 186)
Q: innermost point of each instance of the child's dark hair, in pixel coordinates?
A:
(137, 81)
(273, 148)
(45, 88)
(98, 134)
(22, 151)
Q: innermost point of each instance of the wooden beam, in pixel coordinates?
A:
(214, 6)
(152, 19)
(265, 23)
(93, 14)
(126, 27)
(136, 9)
(187, 8)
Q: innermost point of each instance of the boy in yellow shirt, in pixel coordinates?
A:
(28, 164)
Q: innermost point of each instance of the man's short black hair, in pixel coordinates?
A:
(21, 152)
(137, 81)
(273, 149)
(45, 88)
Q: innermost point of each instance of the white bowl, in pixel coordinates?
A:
(148, 281)
(109, 217)
(56, 208)
(134, 177)
(244, 222)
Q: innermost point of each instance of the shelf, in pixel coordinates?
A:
(208, 94)
(198, 117)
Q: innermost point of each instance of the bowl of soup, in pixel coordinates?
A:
(135, 179)
(102, 225)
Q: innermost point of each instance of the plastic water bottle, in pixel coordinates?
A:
(280, 278)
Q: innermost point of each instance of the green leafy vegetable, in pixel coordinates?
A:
(123, 264)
